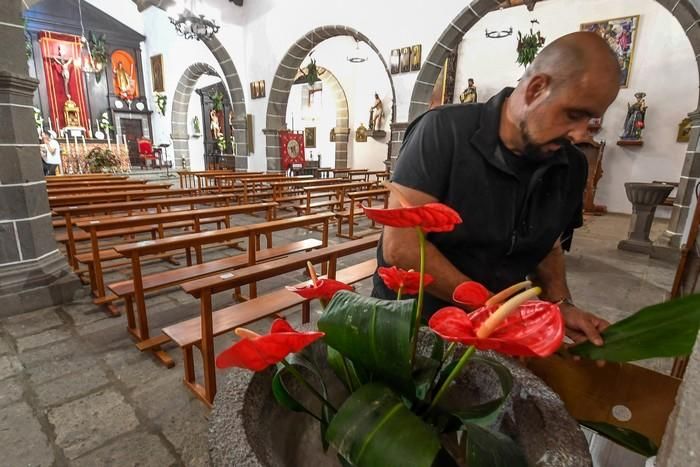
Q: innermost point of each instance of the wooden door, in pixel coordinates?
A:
(132, 128)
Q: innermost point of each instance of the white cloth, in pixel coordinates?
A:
(52, 152)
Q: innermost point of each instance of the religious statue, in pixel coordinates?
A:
(376, 114)
(214, 125)
(469, 95)
(123, 81)
(65, 64)
(634, 122)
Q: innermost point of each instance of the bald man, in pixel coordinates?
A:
(510, 169)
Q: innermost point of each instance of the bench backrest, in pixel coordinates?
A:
(337, 186)
(307, 182)
(70, 200)
(215, 284)
(88, 209)
(218, 236)
(174, 216)
(355, 195)
(107, 188)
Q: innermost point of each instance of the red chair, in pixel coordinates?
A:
(146, 152)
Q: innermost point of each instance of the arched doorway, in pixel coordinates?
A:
(284, 78)
(687, 12)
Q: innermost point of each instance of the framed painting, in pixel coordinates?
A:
(394, 61)
(405, 59)
(157, 73)
(415, 57)
(310, 137)
(621, 35)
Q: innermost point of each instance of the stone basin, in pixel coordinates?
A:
(645, 197)
(647, 194)
(248, 428)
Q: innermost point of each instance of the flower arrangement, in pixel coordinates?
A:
(105, 123)
(38, 120)
(161, 102)
(101, 160)
(221, 143)
(396, 412)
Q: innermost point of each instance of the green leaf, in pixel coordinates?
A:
(487, 448)
(668, 329)
(345, 369)
(624, 437)
(373, 333)
(285, 399)
(424, 373)
(374, 428)
(486, 414)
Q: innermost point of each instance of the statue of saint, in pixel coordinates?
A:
(377, 113)
(214, 125)
(634, 122)
(469, 95)
(65, 64)
(123, 80)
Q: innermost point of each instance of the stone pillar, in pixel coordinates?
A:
(398, 131)
(342, 135)
(272, 148)
(668, 245)
(33, 273)
(181, 150)
(240, 132)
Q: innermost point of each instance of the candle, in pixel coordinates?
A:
(84, 145)
(75, 139)
(116, 139)
(67, 143)
(109, 144)
(89, 129)
(50, 127)
(124, 136)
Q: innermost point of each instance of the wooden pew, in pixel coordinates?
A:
(158, 222)
(134, 294)
(292, 190)
(71, 214)
(337, 190)
(356, 198)
(131, 195)
(80, 190)
(102, 182)
(54, 178)
(200, 332)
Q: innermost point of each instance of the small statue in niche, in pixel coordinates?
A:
(124, 81)
(376, 114)
(469, 95)
(634, 122)
(214, 125)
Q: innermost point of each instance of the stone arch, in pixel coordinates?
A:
(284, 78)
(180, 106)
(687, 12)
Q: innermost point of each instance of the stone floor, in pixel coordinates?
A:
(74, 391)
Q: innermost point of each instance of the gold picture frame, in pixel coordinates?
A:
(415, 57)
(621, 34)
(157, 76)
(310, 137)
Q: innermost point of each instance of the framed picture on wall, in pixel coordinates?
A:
(405, 59)
(621, 35)
(415, 57)
(257, 89)
(310, 137)
(157, 73)
(394, 61)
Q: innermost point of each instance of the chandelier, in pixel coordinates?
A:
(191, 25)
(357, 58)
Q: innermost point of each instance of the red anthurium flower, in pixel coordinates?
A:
(471, 293)
(324, 289)
(257, 353)
(431, 217)
(534, 329)
(407, 281)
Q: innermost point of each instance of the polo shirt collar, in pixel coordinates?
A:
(486, 138)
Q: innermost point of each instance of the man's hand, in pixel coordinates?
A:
(582, 325)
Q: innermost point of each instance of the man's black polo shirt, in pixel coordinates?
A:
(454, 154)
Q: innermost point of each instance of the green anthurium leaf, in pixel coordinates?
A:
(629, 439)
(668, 329)
(487, 448)
(487, 413)
(287, 400)
(374, 428)
(424, 372)
(438, 350)
(375, 334)
(349, 373)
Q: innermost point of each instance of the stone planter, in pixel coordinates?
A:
(248, 428)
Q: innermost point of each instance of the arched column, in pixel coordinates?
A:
(284, 78)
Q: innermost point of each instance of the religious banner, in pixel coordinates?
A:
(64, 79)
(291, 148)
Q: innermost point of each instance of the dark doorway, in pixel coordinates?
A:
(132, 128)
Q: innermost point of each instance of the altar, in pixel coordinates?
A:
(74, 156)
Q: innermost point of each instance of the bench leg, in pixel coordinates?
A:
(130, 317)
(305, 312)
(93, 281)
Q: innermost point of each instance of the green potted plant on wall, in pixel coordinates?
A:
(528, 45)
(98, 53)
(217, 101)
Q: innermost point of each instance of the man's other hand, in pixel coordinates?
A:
(582, 325)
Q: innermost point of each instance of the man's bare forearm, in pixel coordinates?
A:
(550, 274)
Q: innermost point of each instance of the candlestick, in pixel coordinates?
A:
(116, 139)
(67, 144)
(50, 128)
(84, 145)
(109, 143)
(124, 136)
(89, 129)
(75, 139)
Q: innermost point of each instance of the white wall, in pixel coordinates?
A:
(663, 66)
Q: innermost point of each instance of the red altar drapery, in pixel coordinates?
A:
(291, 148)
(70, 48)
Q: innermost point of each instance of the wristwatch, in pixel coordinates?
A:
(565, 301)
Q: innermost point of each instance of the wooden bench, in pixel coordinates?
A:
(159, 222)
(200, 332)
(339, 189)
(355, 198)
(72, 213)
(130, 195)
(81, 190)
(58, 178)
(102, 182)
(139, 327)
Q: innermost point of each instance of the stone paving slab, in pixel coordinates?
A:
(10, 391)
(70, 386)
(138, 449)
(22, 439)
(32, 323)
(87, 423)
(9, 366)
(42, 339)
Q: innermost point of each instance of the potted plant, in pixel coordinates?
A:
(98, 53)
(161, 102)
(101, 160)
(402, 398)
(217, 101)
(528, 45)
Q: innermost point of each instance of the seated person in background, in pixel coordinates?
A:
(50, 153)
(509, 168)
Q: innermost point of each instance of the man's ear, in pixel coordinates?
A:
(537, 87)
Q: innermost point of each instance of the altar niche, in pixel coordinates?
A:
(217, 127)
